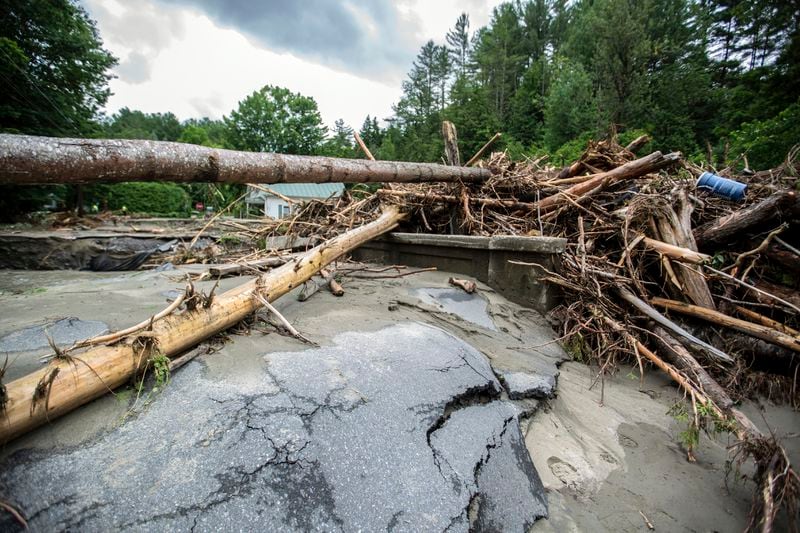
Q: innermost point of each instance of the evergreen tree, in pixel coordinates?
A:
(340, 144)
(458, 45)
(498, 55)
(371, 134)
(569, 108)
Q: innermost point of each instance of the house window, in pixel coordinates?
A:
(284, 211)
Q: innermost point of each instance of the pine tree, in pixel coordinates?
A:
(458, 45)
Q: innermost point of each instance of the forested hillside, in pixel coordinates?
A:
(549, 74)
(714, 79)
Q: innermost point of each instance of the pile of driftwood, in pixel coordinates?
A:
(658, 272)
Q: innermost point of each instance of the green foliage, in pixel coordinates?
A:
(274, 119)
(154, 198)
(571, 150)
(161, 373)
(54, 69)
(54, 74)
(372, 135)
(131, 124)
(576, 347)
(205, 132)
(568, 109)
(340, 144)
(766, 142)
(707, 419)
(547, 74)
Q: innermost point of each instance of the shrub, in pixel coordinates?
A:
(766, 142)
(154, 198)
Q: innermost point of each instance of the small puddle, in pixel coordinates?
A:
(63, 332)
(470, 307)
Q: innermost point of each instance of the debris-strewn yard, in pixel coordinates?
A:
(670, 268)
(662, 270)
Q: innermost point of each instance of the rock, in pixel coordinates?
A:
(522, 385)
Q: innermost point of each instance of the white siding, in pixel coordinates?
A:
(272, 207)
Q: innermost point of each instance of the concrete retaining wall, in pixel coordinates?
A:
(484, 258)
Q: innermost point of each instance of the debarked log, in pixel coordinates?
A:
(29, 160)
(71, 380)
(759, 331)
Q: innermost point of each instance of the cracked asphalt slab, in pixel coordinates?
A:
(400, 429)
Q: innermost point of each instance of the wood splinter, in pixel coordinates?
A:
(285, 323)
(467, 285)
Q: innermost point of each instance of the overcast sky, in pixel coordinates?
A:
(200, 57)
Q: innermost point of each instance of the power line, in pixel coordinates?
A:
(35, 86)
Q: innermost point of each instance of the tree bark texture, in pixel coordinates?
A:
(730, 227)
(633, 169)
(29, 160)
(676, 229)
(450, 143)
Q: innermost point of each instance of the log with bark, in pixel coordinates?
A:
(730, 227)
(760, 331)
(71, 380)
(633, 169)
(29, 160)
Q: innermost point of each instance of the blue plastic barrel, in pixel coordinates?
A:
(723, 187)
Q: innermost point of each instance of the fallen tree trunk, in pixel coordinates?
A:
(730, 227)
(29, 160)
(760, 331)
(633, 169)
(676, 229)
(697, 344)
(70, 381)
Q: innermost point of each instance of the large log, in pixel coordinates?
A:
(633, 169)
(28, 160)
(759, 331)
(66, 384)
(675, 228)
(730, 227)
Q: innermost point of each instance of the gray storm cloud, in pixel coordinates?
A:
(368, 38)
(136, 68)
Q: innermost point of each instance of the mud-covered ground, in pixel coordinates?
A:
(406, 417)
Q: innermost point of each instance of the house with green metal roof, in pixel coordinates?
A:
(277, 207)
